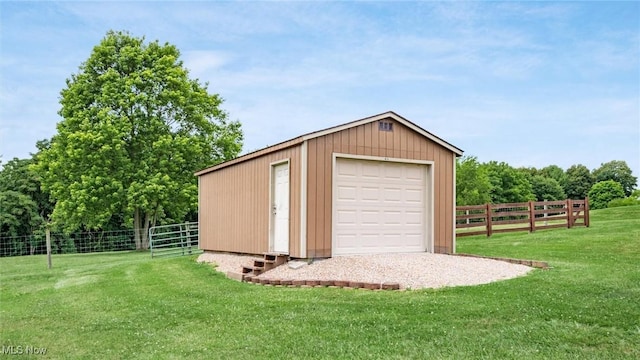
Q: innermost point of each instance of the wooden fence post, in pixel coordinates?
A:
(488, 219)
(569, 207)
(586, 211)
(532, 217)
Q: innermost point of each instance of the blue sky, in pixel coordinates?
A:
(528, 83)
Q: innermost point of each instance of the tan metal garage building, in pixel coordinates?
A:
(375, 185)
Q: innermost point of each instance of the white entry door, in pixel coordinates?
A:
(280, 208)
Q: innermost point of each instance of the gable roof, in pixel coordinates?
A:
(331, 130)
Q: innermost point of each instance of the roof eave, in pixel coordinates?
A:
(252, 155)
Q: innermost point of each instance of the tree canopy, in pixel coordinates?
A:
(619, 172)
(579, 181)
(472, 182)
(546, 188)
(554, 172)
(134, 129)
(24, 207)
(507, 184)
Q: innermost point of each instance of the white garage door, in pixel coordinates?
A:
(379, 207)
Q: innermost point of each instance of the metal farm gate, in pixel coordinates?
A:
(174, 240)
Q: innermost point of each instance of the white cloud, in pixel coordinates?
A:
(202, 62)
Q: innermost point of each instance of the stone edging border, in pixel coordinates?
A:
(533, 263)
(314, 283)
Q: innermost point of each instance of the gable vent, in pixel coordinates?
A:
(384, 125)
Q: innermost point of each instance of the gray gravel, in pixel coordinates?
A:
(411, 271)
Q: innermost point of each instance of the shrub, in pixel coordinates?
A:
(630, 201)
(603, 192)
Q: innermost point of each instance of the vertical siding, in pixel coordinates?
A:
(367, 140)
(234, 205)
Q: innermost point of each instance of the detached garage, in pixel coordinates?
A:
(377, 185)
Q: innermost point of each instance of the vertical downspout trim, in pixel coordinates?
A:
(303, 200)
(453, 250)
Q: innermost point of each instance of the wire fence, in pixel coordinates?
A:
(81, 242)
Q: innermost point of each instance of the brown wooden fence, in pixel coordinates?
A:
(528, 216)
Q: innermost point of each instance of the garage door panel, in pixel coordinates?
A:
(370, 193)
(413, 237)
(385, 213)
(392, 217)
(369, 217)
(347, 241)
(414, 196)
(414, 240)
(401, 243)
(347, 218)
(393, 195)
(368, 171)
(414, 173)
(392, 176)
(413, 218)
(347, 193)
(392, 171)
(346, 171)
(369, 239)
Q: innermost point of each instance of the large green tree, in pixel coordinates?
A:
(579, 181)
(619, 172)
(508, 185)
(472, 182)
(546, 188)
(135, 128)
(554, 172)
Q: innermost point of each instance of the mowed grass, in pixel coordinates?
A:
(125, 305)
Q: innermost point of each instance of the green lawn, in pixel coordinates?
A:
(125, 305)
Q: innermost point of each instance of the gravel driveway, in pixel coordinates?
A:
(411, 271)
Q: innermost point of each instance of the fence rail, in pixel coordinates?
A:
(174, 240)
(529, 216)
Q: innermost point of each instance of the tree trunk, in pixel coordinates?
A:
(145, 231)
(141, 229)
(136, 229)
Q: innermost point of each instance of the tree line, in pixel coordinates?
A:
(611, 184)
(27, 206)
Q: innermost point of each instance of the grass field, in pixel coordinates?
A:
(125, 305)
